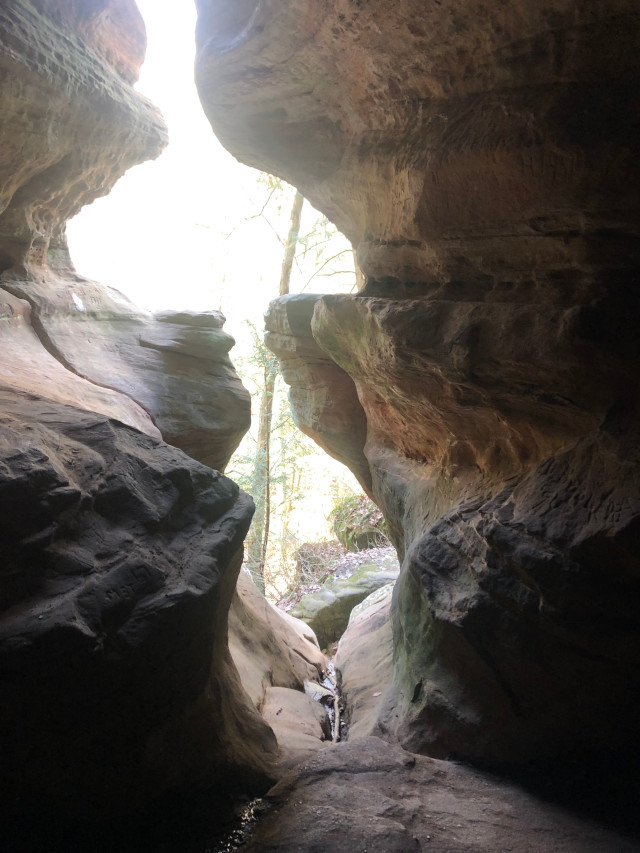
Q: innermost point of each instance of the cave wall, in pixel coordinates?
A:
(120, 558)
(121, 546)
(72, 124)
(482, 159)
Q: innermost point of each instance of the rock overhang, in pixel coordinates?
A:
(482, 162)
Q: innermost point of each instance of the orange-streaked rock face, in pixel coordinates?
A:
(490, 144)
(482, 158)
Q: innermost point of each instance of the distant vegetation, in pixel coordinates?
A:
(287, 475)
(358, 523)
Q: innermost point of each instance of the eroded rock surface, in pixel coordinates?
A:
(517, 487)
(269, 647)
(120, 558)
(369, 795)
(120, 552)
(30, 367)
(72, 123)
(323, 397)
(167, 374)
(447, 143)
(482, 161)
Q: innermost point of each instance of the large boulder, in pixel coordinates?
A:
(300, 723)
(120, 559)
(278, 661)
(269, 647)
(327, 610)
(364, 662)
(483, 162)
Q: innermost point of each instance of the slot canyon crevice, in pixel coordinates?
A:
(482, 387)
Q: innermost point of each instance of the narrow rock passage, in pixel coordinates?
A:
(357, 792)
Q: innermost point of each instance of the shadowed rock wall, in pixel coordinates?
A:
(120, 552)
(482, 160)
(120, 558)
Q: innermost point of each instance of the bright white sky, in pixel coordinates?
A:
(160, 236)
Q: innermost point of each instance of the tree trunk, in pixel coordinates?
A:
(292, 241)
(258, 539)
(360, 282)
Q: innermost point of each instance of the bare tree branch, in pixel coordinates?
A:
(322, 266)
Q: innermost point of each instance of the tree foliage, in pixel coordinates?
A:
(358, 523)
(268, 464)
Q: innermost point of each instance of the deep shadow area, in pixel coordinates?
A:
(601, 790)
(602, 787)
(198, 822)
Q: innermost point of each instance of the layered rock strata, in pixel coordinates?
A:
(482, 160)
(490, 149)
(120, 552)
(168, 373)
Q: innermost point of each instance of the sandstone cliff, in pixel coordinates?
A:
(120, 552)
(71, 126)
(482, 159)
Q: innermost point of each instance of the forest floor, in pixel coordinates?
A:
(335, 561)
